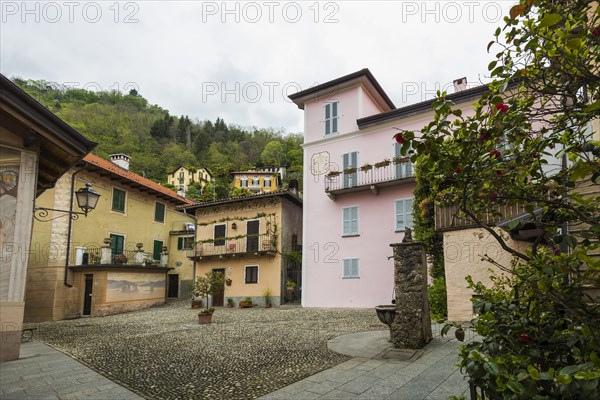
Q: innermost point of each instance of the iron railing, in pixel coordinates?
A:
(246, 244)
(387, 172)
(448, 217)
(93, 256)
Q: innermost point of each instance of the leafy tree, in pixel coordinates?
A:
(273, 154)
(530, 142)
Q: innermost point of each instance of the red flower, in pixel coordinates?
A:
(495, 153)
(457, 170)
(498, 172)
(493, 196)
(524, 338)
(399, 138)
(484, 136)
(503, 108)
(596, 31)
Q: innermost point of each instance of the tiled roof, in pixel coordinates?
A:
(134, 180)
(283, 193)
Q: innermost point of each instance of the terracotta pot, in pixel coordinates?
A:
(196, 303)
(204, 318)
(268, 305)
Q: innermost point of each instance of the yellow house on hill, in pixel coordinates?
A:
(182, 177)
(252, 240)
(127, 253)
(263, 181)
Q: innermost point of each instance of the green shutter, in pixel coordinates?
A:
(157, 249)
(159, 212)
(180, 243)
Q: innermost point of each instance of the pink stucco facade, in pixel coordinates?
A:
(326, 281)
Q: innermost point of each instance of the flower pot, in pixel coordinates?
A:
(228, 282)
(229, 305)
(246, 304)
(196, 303)
(268, 305)
(290, 288)
(204, 318)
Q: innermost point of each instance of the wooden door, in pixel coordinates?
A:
(87, 295)
(219, 295)
(173, 286)
(252, 236)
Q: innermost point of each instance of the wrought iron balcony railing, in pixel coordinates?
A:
(251, 244)
(379, 175)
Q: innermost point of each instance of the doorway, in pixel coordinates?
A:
(87, 295)
(219, 295)
(173, 286)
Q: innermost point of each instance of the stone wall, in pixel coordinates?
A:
(412, 327)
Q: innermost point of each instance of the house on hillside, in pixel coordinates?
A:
(265, 180)
(358, 188)
(36, 149)
(255, 241)
(182, 177)
(129, 253)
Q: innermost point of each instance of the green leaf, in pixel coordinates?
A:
(492, 65)
(549, 20)
(592, 107)
(587, 375)
(564, 379)
(574, 43)
(515, 386)
(571, 369)
(490, 44)
(535, 374)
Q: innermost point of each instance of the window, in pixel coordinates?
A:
(157, 249)
(219, 235)
(117, 243)
(351, 268)
(181, 177)
(404, 217)
(244, 182)
(252, 274)
(159, 212)
(255, 182)
(350, 160)
(331, 118)
(118, 200)
(350, 221)
(185, 243)
(403, 169)
(267, 182)
(252, 229)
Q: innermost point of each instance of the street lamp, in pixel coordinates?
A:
(87, 199)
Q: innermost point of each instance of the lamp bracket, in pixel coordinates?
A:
(41, 214)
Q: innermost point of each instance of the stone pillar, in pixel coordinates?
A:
(411, 328)
(164, 257)
(79, 255)
(139, 254)
(106, 252)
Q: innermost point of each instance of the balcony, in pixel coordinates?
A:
(446, 218)
(97, 256)
(381, 175)
(228, 248)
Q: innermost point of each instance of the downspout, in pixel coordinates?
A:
(194, 261)
(67, 284)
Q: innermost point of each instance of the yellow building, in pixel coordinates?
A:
(263, 181)
(254, 241)
(182, 177)
(128, 253)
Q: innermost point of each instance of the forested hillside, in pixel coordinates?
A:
(158, 142)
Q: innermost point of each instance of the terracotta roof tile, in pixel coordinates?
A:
(115, 169)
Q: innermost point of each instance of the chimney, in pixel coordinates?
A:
(293, 186)
(121, 160)
(460, 84)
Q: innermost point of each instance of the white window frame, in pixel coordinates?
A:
(347, 262)
(350, 232)
(328, 121)
(257, 274)
(403, 170)
(405, 214)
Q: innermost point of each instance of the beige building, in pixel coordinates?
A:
(36, 148)
(254, 241)
(182, 177)
(259, 181)
(128, 253)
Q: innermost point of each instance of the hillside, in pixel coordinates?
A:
(158, 142)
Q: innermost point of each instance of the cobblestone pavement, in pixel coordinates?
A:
(162, 353)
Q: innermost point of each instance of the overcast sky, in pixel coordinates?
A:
(239, 60)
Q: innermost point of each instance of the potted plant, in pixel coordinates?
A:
(366, 168)
(121, 259)
(267, 293)
(290, 285)
(246, 302)
(383, 163)
(196, 303)
(230, 303)
(205, 286)
(228, 281)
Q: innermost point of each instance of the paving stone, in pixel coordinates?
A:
(360, 384)
(377, 392)
(338, 395)
(324, 387)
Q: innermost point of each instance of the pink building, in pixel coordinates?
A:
(358, 190)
